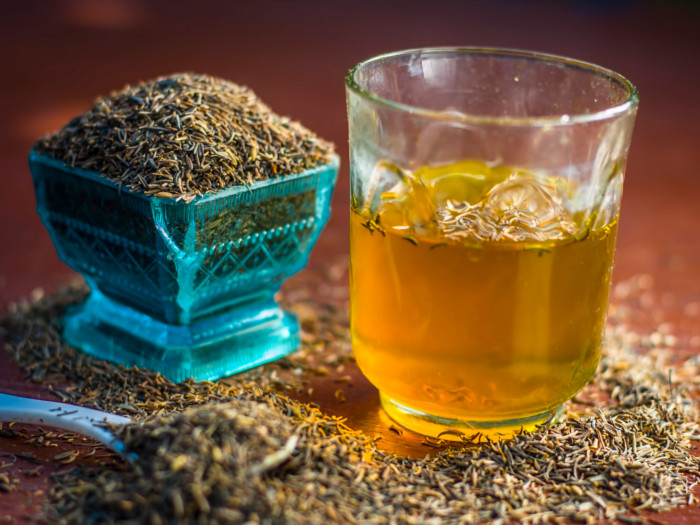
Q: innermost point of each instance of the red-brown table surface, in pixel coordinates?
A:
(58, 56)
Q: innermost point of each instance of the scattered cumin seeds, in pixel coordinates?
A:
(219, 453)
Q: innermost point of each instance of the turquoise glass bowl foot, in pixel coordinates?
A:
(206, 349)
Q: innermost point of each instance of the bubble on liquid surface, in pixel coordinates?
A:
(386, 179)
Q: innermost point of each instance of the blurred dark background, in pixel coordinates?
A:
(58, 56)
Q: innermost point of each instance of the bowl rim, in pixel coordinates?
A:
(36, 158)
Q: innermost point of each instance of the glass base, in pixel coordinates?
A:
(215, 347)
(457, 429)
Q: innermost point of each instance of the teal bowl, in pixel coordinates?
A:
(186, 289)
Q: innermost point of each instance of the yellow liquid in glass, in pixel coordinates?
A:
(471, 324)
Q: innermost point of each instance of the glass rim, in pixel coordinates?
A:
(630, 102)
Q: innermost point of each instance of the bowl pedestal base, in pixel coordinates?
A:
(218, 346)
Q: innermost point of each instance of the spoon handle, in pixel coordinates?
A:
(86, 421)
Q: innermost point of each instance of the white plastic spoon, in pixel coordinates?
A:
(86, 421)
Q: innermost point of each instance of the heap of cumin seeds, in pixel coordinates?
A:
(185, 135)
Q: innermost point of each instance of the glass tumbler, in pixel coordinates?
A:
(485, 199)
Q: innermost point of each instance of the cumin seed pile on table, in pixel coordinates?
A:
(242, 451)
